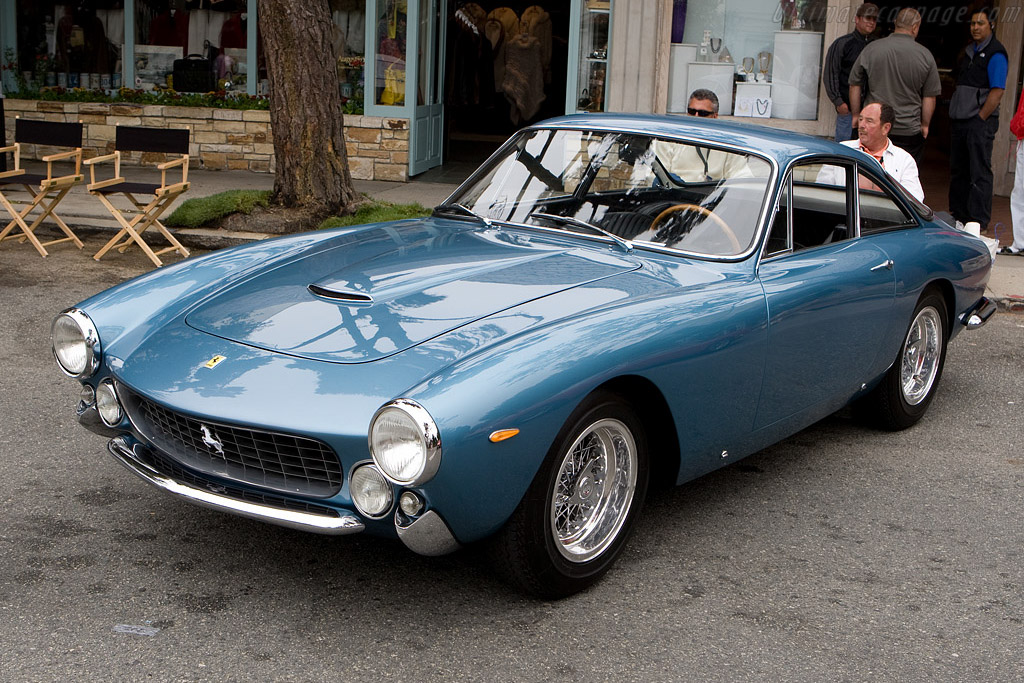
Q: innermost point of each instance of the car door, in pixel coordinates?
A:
(829, 293)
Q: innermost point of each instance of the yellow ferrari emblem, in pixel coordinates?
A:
(212, 363)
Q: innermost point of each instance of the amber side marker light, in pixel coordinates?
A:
(502, 434)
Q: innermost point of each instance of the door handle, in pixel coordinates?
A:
(887, 264)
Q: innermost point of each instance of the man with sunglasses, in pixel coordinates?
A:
(692, 164)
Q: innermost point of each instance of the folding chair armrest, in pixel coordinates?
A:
(12, 172)
(62, 155)
(16, 148)
(96, 160)
(183, 162)
(171, 164)
(91, 163)
(104, 183)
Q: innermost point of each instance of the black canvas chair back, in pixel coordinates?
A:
(46, 190)
(139, 139)
(50, 133)
(149, 200)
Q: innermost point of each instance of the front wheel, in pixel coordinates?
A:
(907, 389)
(579, 510)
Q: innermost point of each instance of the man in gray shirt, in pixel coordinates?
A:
(898, 70)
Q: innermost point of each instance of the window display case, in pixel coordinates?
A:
(592, 78)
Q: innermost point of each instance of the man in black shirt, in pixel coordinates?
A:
(838, 62)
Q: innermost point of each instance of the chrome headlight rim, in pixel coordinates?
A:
(108, 385)
(370, 466)
(429, 435)
(90, 337)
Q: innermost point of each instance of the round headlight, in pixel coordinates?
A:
(107, 404)
(371, 492)
(405, 443)
(76, 344)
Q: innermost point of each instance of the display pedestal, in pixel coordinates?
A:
(796, 74)
(718, 77)
(682, 55)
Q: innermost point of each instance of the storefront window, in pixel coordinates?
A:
(349, 36)
(593, 75)
(70, 45)
(392, 22)
(762, 57)
(191, 46)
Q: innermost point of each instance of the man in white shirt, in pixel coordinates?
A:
(696, 164)
(876, 120)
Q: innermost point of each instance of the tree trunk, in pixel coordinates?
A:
(312, 173)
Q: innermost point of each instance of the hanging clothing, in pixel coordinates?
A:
(537, 22)
(524, 77)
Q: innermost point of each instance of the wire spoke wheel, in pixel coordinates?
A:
(921, 354)
(594, 490)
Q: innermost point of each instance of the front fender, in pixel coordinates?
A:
(703, 349)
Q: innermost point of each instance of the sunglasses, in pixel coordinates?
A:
(699, 112)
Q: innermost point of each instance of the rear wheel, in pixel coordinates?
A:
(579, 510)
(907, 390)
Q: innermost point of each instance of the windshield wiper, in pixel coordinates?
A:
(575, 222)
(455, 207)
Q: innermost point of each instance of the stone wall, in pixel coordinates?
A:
(378, 147)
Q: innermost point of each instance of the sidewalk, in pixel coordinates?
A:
(81, 210)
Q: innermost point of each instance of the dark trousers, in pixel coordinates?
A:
(3, 138)
(970, 169)
(911, 144)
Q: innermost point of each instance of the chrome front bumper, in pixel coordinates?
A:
(125, 454)
(426, 535)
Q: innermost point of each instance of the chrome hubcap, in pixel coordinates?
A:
(594, 490)
(921, 355)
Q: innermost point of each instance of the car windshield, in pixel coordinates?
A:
(637, 189)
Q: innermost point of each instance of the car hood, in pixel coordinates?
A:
(371, 293)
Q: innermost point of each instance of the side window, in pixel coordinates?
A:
(821, 210)
(778, 238)
(878, 209)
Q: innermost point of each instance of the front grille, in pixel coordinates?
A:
(292, 464)
(169, 468)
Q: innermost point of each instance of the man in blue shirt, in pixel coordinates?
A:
(974, 113)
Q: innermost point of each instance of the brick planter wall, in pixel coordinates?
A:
(378, 147)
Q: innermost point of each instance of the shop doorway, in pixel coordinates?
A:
(505, 65)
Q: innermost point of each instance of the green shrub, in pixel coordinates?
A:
(377, 212)
(200, 211)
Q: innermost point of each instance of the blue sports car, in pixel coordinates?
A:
(609, 302)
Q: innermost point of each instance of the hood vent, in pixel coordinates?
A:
(337, 295)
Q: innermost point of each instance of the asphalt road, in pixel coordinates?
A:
(841, 554)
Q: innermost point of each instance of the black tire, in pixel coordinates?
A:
(904, 395)
(541, 549)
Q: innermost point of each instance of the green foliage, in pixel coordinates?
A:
(218, 99)
(200, 211)
(377, 212)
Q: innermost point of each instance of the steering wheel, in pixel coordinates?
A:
(695, 208)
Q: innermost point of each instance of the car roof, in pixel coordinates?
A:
(782, 145)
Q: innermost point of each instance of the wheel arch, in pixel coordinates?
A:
(943, 288)
(645, 398)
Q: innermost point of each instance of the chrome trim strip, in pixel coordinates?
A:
(343, 524)
(427, 535)
(978, 314)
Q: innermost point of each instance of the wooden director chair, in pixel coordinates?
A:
(46, 190)
(160, 196)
